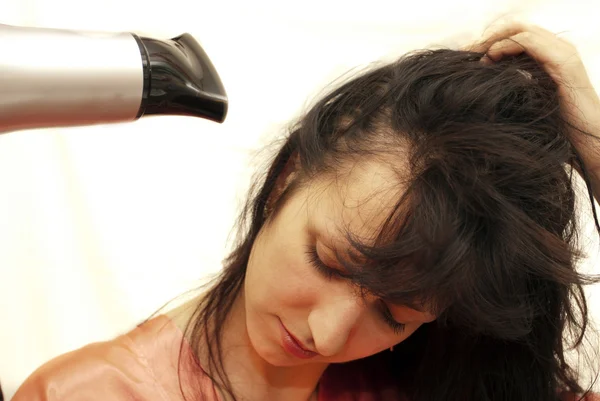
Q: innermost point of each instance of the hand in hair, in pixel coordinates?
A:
(560, 59)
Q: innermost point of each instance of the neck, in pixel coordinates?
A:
(251, 377)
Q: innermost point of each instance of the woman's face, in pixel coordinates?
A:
(286, 293)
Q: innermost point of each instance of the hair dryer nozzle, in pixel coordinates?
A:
(60, 78)
(180, 79)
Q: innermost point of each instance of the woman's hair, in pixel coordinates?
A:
(484, 231)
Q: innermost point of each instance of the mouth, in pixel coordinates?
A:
(293, 346)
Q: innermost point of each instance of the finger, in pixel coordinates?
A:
(544, 49)
(560, 60)
(499, 33)
(507, 47)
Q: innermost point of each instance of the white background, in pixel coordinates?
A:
(100, 226)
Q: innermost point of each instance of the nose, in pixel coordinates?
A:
(332, 323)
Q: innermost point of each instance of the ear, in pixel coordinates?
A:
(285, 178)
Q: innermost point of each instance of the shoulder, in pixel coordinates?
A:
(135, 366)
(82, 374)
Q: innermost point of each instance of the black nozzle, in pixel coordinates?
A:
(180, 79)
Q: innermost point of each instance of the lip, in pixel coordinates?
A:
(293, 346)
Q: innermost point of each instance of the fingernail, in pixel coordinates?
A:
(485, 60)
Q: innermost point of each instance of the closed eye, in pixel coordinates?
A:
(330, 274)
(387, 316)
(315, 260)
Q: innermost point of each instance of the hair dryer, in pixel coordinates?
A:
(58, 78)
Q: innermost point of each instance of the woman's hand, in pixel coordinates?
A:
(559, 58)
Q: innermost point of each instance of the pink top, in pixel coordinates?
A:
(143, 365)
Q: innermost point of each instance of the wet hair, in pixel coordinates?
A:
(484, 231)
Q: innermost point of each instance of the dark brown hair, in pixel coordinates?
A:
(485, 232)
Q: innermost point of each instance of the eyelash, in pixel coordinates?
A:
(313, 258)
(389, 319)
(330, 273)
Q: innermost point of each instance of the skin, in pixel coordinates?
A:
(561, 60)
(325, 315)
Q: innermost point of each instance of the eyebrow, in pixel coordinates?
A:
(417, 308)
(326, 242)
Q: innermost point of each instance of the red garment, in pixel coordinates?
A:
(142, 365)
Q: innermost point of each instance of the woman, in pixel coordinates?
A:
(412, 241)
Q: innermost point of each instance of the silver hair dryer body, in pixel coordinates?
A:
(59, 78)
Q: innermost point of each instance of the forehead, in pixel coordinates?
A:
(358, 200)
(361, 202)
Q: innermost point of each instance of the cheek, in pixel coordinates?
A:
(279, 273)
